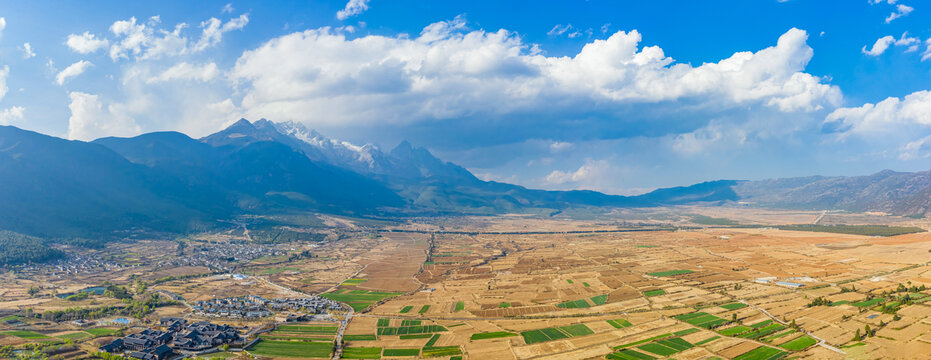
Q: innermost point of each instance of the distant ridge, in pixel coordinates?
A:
(167, 181)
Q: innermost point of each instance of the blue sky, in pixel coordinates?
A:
(615, 96)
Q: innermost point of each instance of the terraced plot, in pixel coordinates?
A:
(492, 335)
(401, 352)
(437, 351)
(701, 319)
(656, 292)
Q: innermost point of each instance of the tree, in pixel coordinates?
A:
(793, 324)
(33, 291)
(856, 337)
(867, 330)
(734, 317)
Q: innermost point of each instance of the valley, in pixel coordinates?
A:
(634, 283)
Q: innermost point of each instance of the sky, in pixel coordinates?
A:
(616, 96)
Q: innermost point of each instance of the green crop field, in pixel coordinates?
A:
(416, 336)
(353, 282)
(686, 332)
(433, 340)
(736, 330)
(656, 292)
(504, 305)
(549, 334)
(406, 309)
(410, 322)
(459, 306)
(401, 352)
(868, 230)
(360, 337)
(575, 304)
(762, 353)
(657, 349)
(436, 351)
(409, 330)
(670, 273)
(868, 303)
(292, 349)
(701, 319)
(75, 336)
(619, 323)
(586, 284)
(359, 299)
(802, 342)
(26, 334)
(362, 353)
(600, 299)
(570, 281)
(492, 335)
(424, 309)
(761, 324)
(322, 330)
(383, 322)
(628, 354)
(734, 306)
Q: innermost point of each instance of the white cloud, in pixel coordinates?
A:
(448, 72)
(918, 149)
(86, 43)
(213, 30)
(149, 41)
(892, 115)
(7, 116)
(353, 8)
(90, 119)
(559, 146)
(186, 71)
(28, 52)
(900, 11)
(587, 171)
(2, 25)
(879, 46)
(72, 70)
(4, 74)
(227, 9)
(559, 29)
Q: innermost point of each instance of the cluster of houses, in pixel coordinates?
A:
(178, 336)
(254, 307)
(74, 265)
(221, 257)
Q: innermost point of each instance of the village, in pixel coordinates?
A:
(255, 307)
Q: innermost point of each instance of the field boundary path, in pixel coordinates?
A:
(821, 341)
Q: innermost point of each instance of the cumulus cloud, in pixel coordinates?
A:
(9, 115)
(90, 119)
(559, 146)
(187, 72)
(353, 8)
(918, 149)
(450, 72)
(599, 175)
(27, 51)
(149, 41)
(4, 74)
(2, 25)
(227, 9)
(72, 70)
(86, 43)
(890, 115)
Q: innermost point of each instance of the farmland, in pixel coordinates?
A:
(698, 293)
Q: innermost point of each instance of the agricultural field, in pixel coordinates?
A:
(692, 293)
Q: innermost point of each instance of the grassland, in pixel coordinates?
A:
(28, 335)
(102, 331)
(302, 329)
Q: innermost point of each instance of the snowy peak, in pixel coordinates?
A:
(338, 152)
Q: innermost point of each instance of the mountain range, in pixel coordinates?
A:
(167, 181)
